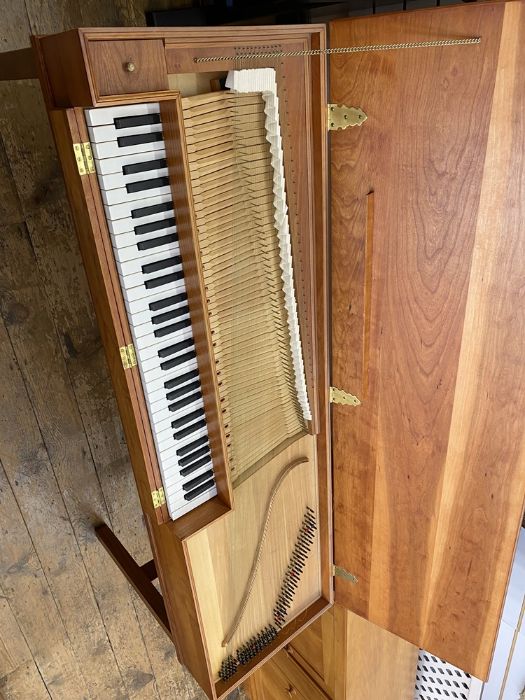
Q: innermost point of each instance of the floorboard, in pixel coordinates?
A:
(70, 626)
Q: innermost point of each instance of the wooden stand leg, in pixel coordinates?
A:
(18, 65)
(150, 569)
(140, 577)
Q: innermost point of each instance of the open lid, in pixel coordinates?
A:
(428, 323)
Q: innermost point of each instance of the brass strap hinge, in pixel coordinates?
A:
(158, 498)
(342, 397)
(84, 158)
(343, 573)
(128, 356)
(341, 117)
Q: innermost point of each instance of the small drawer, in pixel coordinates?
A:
(124, 67)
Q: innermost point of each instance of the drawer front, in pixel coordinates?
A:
(128, 67)
(283, 679)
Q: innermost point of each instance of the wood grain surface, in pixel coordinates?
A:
(221, 556)
(109, 65)
(428, 324)
(70, 627)
(340, 656)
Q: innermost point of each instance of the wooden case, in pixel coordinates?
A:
(198, 575)
(426, 262)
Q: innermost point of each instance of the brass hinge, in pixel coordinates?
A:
(84, 158)
(343, 573)
(158, 498)
(341, 117)
(342, 397)
(128, 356)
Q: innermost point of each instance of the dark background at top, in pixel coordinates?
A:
(216, 12)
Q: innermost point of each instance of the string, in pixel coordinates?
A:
(262, 538)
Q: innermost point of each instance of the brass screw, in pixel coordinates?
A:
(130, 67)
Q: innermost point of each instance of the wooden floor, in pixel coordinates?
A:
(70, 627)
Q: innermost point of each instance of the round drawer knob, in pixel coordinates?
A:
(130, 66)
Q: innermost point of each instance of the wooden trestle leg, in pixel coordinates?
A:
(140, 577)
(17, 65)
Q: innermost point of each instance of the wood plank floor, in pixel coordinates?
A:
(70, 627)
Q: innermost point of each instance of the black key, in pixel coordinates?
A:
(184, 461)
(161, 265)
(174, 407)
(142, 185)
(154, 226)
(192, 445)
(194, 467)
(187, 418)
(168, 301)
(178, 435)
(169, 315)
(136, 139)
(193, 483)
(149, 211)
(197, 492)
(177, 347)
(172, 328)
(181, 379)
(146, 166)
(156, 242)
(193, 386)
(179, 360)
(165, 279)
(138, 120)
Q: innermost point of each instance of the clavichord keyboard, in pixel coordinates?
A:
(128, 148)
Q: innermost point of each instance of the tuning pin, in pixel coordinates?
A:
(229, 666)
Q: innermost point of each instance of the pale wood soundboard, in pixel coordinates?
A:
(221, 556)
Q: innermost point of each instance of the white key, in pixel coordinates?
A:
(106, 167)
(164, 338)
(138, 308)
(110, 171)
(139, 291)
(165, 438)
(124, 209)
(145, 317)
(150, 351)
(154, 395)
(126, 222)
(155, 378)
(149, 327)
(177, 511)
(132, 251)
(163, 421)
(164, 418)
(118, 180)
(153, 362)
(106, 115)
(164, 404)
(110, 149)
(131, 281)
(121, 194)
(108, 132)
(127, 238)
(175, 482)
(177, 334)
(133, 267)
